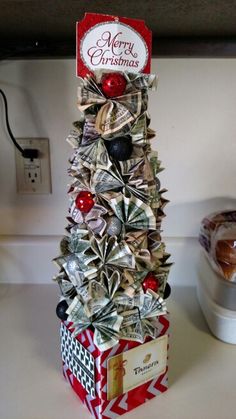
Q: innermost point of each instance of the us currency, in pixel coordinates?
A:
(67, 288)
(133, 332)
(150, 328)
(140, 80)
(132, 166)
(130, 317)
(137, 239)
(153, 305)
(91, 84)
(139, 189)
(88, 98)
(107, 325)
(107, 335)
(89, 133)
(102, 315)
(105, 180)
(95, 221)
(110, 282)
(114, 114)
(139, 130)
(143, 259)
(77, 267)
(104, 288)
(143, 81)
(93, 156)
(77, 316)
(81, 233)
(133, 278)
(155, 164)
(96, 308)
(119, 112)
(82, 177)
(74, 138)
(141, 321)
(76, 244)
(126, 302)
(75, 213)
(110, 252)
(113, 117)
(111, 179)
(133, 212)
(96, 290)
(137, 184)
(121, 256)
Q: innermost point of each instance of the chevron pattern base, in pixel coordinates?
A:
(94, 395)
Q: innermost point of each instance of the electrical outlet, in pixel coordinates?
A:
(33, 176)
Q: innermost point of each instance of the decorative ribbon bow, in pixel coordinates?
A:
(115, 114)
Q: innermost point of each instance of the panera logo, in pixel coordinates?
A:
(147, 365)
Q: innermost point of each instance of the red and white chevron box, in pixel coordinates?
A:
(115, 381)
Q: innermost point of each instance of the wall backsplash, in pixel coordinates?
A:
(193, 112)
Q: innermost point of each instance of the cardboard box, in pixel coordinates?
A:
(115, 381)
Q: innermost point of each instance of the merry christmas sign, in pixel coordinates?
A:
(114, 43)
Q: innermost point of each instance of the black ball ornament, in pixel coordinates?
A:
(120, 148)
(61, 310)
(167, 291)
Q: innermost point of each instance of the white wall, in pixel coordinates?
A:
(193, 112)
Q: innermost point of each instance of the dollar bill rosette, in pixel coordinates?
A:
(110, 252)
(119, 113)
(138, 244)
(133, 212)
(100, 313)
(140, 132)
(141, 321)
(125, 177)
(68, 290)
(92, 156)
(91, 152)
(76, 262)
(148, 250)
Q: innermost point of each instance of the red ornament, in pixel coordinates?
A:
(150, 282)
(113, 84)
(84, 201)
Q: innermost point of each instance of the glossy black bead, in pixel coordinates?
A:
(61, 310)
(120, 148)
(167, 291)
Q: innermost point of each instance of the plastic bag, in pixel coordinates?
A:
(218, 238)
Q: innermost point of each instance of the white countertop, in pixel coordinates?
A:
(202, 374)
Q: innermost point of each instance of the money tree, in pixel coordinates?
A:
(113, 263)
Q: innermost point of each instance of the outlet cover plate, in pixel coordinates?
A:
(33, 176)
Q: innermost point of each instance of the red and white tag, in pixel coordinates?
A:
(112, 43)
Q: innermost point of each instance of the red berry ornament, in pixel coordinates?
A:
(150, 282)
(113, 84)
(84, 201)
